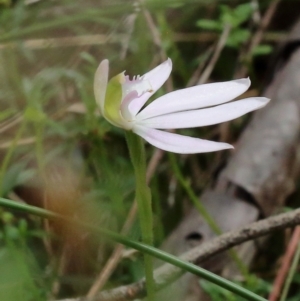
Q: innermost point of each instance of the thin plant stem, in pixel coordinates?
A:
(19, 33)
(216, 54)
(291, 274)
(9, 154)
(39, 129)
(203, 212)
(143, 199)
(186, 266)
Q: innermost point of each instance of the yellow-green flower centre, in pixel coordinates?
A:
(113, 99)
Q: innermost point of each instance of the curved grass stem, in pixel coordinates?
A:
(149, 250)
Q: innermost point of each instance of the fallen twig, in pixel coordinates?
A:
(167, 272)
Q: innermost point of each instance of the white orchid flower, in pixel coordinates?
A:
(121, 102)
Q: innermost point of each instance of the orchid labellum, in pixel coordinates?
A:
(121, 102)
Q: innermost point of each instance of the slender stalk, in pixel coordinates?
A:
(143, 199)
(18, 33)
(9, 154)
(39, 129)
(186, 266)
(291, 274)
(203, 212)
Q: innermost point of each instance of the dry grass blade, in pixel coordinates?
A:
(285, 265)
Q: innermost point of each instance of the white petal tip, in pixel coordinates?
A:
(102, 70)
(103, 64)
(263, 100)
(105, 61)
(169, 62)
(226, 145)
(244, 81)
(100, 83)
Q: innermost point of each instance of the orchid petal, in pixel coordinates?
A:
(156, 77)
(177, 143)
(159, 74)
(124, 105)
(100, 84)
(137, 84)
(195, 98)
(204, 117)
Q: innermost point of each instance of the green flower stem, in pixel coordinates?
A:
(186, 266)
(291, 274)
(143, 199)
(203, 212)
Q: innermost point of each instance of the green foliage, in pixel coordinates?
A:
(262, 50)
(254, 284)
(16, 278)
(5, 3)
(233, 17)
(237, 16)
(15, 176)
(19, 272)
